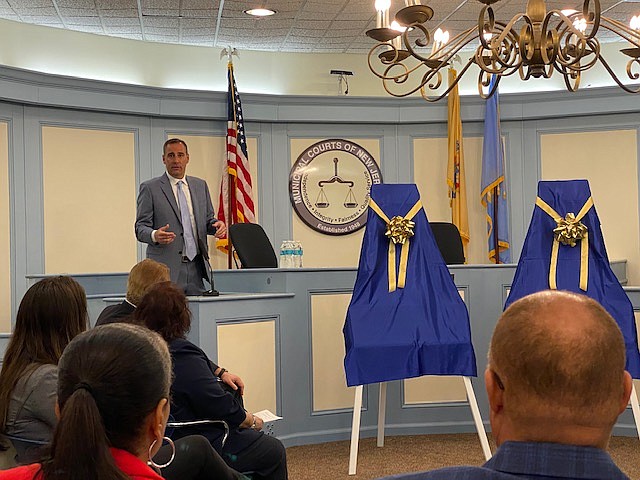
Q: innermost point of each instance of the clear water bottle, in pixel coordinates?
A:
(297, 254)
(286, 254)
(283, 254)
(301, 254)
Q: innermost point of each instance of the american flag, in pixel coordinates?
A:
(241, 209)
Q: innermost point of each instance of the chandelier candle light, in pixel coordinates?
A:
(563, 41)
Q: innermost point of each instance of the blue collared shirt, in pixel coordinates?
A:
(539, 461)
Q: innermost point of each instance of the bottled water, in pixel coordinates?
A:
(286, 254)
(297, 254)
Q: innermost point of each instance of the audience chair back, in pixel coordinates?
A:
(173, 424)
(252, 246)
(449, 242)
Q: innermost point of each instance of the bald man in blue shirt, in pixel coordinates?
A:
(556, 384)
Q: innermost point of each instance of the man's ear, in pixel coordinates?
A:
(627, 382)
(495, 390)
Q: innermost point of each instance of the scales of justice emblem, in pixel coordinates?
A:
(329, 186)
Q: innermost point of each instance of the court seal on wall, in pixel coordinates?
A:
(329, 186)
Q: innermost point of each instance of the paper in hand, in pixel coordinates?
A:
(266, 416)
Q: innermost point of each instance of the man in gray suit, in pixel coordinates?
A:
(174, 216)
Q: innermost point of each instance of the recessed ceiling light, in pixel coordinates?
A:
(260, 12)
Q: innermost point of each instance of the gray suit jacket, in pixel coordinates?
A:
(157, 207)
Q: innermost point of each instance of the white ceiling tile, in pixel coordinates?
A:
(131, 36)
(117, 4)
(35, 12)
(299, 24)
(116, 31)
(86, 28)
(82, 21)
(197, 13)
(118, 12)
(47, 20)
(30, 4)
(120, 22)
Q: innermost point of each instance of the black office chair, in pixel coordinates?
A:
(252, 246)
(449, 242)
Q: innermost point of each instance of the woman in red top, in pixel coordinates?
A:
(113, 390)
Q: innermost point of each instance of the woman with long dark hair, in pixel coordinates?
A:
(51, 313)
(196, 393)
(113, 404)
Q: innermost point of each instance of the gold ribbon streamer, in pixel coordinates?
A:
(399, 230)
(568, 231)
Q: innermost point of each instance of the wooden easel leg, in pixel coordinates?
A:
(355, 430)
(475, 411)
(382, 407)
(635, 407)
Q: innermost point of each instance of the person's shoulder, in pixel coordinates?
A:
(107, 315)
(195, 180)
(453, 473)
(154, 180)
(115, 313)
(25, 472)
(182, 345)
(40, 373)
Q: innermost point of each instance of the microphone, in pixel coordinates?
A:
(212, 292)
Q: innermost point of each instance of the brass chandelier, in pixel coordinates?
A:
(408, 58)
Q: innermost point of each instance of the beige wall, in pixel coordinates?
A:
(608, 159)
(255, 362)
(430, 174)
(207, 160)
(61, 52)
(54, 50)
(5, 232)
(434, 389)
(322, 250)
(330, 391)
(89, 200)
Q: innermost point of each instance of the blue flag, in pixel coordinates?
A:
(493, 186)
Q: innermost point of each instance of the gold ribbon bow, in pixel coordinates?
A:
(399, 230)
(569, 231)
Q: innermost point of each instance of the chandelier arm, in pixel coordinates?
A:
(571, 79)
(632, 76)
(450, 87)
(622, 30)
(403, 77)
(549, 40)
(576, 64)
(505, 30)
(446, 52)
(586, 13)
(501, 55)
(486, 83)
(389, 64)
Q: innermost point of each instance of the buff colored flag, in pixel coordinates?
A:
(455, 167)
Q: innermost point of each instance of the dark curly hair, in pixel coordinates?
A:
(164, 309)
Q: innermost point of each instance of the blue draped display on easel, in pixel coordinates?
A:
(590, 275)
(419, 328)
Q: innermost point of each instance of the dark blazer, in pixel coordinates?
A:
(196, 394)
(115, 313)
(157, 207)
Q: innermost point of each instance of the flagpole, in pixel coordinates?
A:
(231, 179)
(496, 239)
